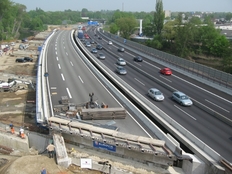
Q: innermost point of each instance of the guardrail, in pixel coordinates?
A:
(196, 145)
(41, 90)
(215, 78)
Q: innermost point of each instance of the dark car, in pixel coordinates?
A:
(138, 59)
(99, 47)
(121, 49)
(21, 60)
(99, 37)
(24, 40)
(28, 59)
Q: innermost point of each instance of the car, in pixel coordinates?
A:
(87, 44)
(166, 71)
(24, 40)
(121, 49)
(138, 59)
(99, 47)
(12, 44)
(28, 59)
(21, 60)
(121, 70)
(99, 37)
(6, 49)
(110, 43)
(94, 50)
(155, 94)
(181, 98)
(121, 61)
(101, 56)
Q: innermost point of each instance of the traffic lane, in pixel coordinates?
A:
(81, 77)
(54, 69)
(209, 99)
(212, 100)
(198, 122)
(129, 125)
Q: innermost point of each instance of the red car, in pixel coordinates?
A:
(166, 71)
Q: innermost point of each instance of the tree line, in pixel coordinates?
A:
(182, 35)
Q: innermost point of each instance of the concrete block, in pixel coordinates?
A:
(197, 166)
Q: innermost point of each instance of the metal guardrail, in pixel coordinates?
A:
(41, 103)
(218, 77)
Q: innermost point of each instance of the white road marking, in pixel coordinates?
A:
(80, 79)
(57, 58)
(165, 78)
(217, 106)
(71, 63)
(63, 77)
(53, 87)
(137, 63)
(66, 53)
(151, 64)
(139, 82)
(70, 96)
(203, 89)
(185, 112)
(55, 48)
(59, 66)
(56, 52)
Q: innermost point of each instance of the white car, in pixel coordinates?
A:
(121, 61)
(110, 43)
(155, 94)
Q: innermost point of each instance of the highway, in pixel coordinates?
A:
(210, 130)
(69, 76)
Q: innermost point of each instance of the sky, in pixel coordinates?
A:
(128, 5)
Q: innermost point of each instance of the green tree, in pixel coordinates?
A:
(113, 28)
(126, 26)
(159, 17)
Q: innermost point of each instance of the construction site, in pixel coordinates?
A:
(17, 108)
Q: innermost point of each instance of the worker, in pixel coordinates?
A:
(50, 148)
(12, 128)
(43, 171)
(21, 132)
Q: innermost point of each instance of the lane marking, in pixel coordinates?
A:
(165, 78)
(139, 82)
(63, 77)
(66, 53)
(71, 63)
(185, 112)
(68, 93)
(57, 58)
(59, 66)
(217, 106)
(203, 89)
(55, 48)
(53, 87)
(80, 79)
(137, 63)
(56, 52)
(54, 93)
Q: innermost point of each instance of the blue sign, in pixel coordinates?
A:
(39, 48)
(104, 146)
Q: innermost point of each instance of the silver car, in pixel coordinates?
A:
(121, 61)
(121, 70)
(181, 98)
(155, 94)
(101, 56)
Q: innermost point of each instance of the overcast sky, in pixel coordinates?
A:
(128, 5)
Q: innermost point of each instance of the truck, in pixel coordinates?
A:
(80, 34)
